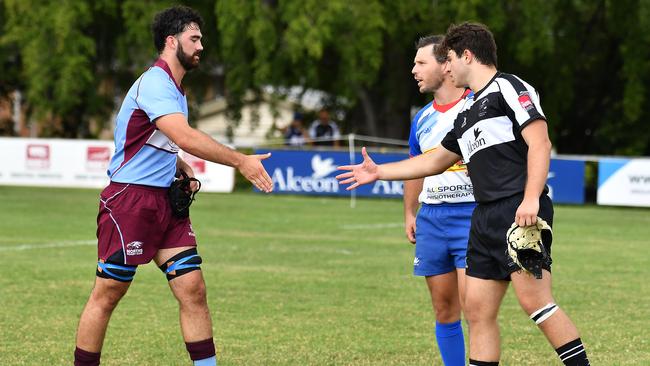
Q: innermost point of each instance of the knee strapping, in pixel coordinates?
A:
(118, 272)
(544, 313)
(182, 263)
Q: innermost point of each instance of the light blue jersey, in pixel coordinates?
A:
(430, 125)
(143, 154)
(443, 221)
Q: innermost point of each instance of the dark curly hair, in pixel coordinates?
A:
(474, 37)
(172, 21)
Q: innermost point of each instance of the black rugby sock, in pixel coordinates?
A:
(483, 363)
(573, 353)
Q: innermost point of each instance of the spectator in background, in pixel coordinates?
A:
(324, 128)
(295, 133)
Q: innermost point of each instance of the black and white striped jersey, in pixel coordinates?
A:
(487, 134)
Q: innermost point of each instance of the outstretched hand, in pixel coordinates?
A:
(253, 170)
(364, 173)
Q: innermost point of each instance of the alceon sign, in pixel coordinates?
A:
(314, 172)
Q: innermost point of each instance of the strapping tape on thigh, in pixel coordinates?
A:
(182, 263)
(117, 272)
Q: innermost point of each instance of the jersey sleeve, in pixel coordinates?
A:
(450, 142)
(522, 100)
(414, 145)
(157, 95)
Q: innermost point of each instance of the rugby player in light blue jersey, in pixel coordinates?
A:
(135, 223)
(440, 230)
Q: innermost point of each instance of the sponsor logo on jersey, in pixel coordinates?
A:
(478, 142)
(524, 100)
(134, 248)
(449, 192)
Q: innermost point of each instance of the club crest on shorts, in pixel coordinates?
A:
(134, 248)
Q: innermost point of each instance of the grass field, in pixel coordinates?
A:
(303, 281)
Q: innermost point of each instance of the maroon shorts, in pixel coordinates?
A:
(135, 221)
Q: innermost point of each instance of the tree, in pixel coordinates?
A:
(56, 58)
(74, 59)
(579, 55)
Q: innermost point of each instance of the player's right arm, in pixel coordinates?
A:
(435, 162)
(412, 189)
(199, 144)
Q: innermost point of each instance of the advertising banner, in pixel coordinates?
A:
(624, 182)
(566, 181)
(54, 162)
(83, 164)
(314, 172)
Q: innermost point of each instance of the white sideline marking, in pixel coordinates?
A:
(61, 244)
(373, 226)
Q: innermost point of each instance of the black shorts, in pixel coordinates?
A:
(487, 253)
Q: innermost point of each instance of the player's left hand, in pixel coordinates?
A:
(527, 212)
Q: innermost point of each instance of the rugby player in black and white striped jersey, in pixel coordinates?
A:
(502, 136)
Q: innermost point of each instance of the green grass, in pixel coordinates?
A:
(303, 281)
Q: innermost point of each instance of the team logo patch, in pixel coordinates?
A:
(524, 100)
(134, 248)
(483, 107)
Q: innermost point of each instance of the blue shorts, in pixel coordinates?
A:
(441, 236)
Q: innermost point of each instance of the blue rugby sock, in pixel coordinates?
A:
(451, 343)
(212, 361)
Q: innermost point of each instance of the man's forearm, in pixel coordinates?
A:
(421, 166)
(205, 147)
(539, 158)
(412, 189)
